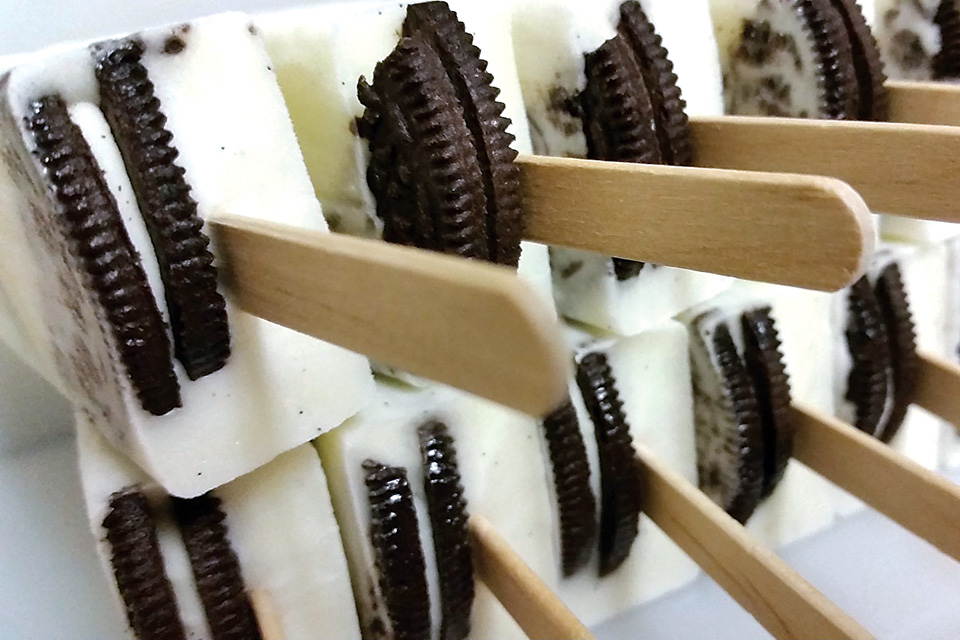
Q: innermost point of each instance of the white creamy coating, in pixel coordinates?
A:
(320, 53)
(907, 35)
(279, 388)
(652, 374)
(551, 38)
(504, 474)
(280, 524)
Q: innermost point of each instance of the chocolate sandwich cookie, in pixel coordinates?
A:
(576, 503)
(400, 564)
(870, 379)
(442, 168)
(873, 102)
(786, 45)
(902, 337)
(141, 577)
(198, 316)
(946, 63)
(619, 480)
(112, 267)
(744, 426)
(448, 523)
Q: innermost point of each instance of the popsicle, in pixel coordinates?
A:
(562, 48)
(113, 156)
(186, 567)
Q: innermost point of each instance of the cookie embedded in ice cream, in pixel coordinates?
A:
(635, 391)
(441, 454)
(604, 81)
(117, 153)
(807, 59)
(741, 395)
(183, 568)
(918, 39)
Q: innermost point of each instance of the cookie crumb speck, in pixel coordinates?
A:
(174, 45)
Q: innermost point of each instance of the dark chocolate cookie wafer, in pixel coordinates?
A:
(868, 384)
(618, 117)
(216, 569)
(448, 523)
(730, 448)
(111, 264)
(946, 63)
(764, 365)
(424, 170)
(669, 109)
(436, 24)
(873, 103)
(576, 501)
(901, 333)
(138, 568)
(619, 482)
(198, 314)
(395, 535)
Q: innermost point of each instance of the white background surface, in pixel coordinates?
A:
(50, 581)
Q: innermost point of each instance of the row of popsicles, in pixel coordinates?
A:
(182, 66)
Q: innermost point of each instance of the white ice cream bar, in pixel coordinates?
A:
(907, 35)
(504, 473)
(320, 53)
(652, 376)
(551, 38)
(278, 389)
(279, 524)
(802, 503)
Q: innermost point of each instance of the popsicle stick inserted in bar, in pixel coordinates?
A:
(779, 598)
(266, 614)
(471, 325)
(537, 610)
(924, 102)
(916, 498)
(907, 169)
(804, 231)
(938, 388)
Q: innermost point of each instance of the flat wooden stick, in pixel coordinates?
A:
(924, 102)
(918, 499)
(778, 597)
(471, 325)
(938, 388)
(537, 610)
(906, 169)
(805, 231)
(266, 615)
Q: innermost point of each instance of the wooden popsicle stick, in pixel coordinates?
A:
(805, 231)
(266, 615)
(916, 498)
(938, 388)
(537, 610)
(907, 169)
(778, 597)
(471, 325)
(924, 102)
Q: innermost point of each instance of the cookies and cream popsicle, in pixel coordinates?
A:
(184, 568)
(113, 155)
(352, 76)
(575, 62)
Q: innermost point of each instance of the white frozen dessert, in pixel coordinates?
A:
(802, 502)
(109, 275)
(560, 47)
(504, 474)
(631, 390)
(184, 567)
(320, 55)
